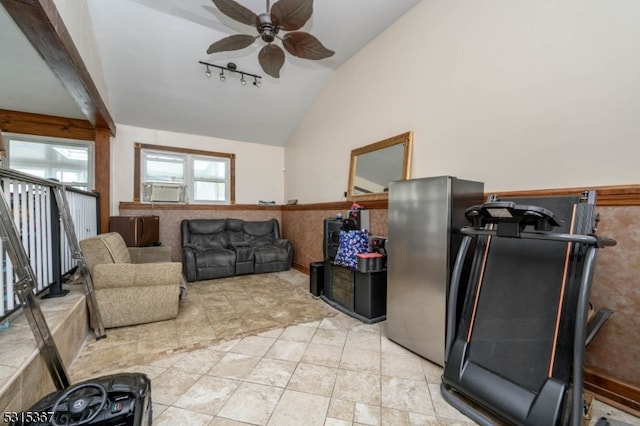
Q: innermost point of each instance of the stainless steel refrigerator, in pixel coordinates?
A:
(423, 240)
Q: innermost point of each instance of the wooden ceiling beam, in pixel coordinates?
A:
(41, 23)
(46, 125)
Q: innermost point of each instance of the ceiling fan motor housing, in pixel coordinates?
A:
(266, 28)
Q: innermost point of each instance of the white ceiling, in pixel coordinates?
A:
(149, 50)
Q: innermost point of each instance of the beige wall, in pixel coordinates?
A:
(519, 95)
(259, 173)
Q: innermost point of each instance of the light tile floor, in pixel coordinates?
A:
(333, 371)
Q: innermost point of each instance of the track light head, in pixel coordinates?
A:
(208, 72)
(256, 82)
(222, 77)
(242, 80)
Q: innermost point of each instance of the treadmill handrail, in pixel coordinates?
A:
(548, 236)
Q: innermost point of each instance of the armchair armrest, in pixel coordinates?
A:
(121, 275)
(149, 254)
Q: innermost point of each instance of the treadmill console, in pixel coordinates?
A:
(511, 218)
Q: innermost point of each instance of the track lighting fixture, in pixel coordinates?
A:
(231, 67)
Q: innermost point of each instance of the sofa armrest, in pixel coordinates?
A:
(121, 275)
(194, 247)
(285, 244)
(189, 263)
(282, 243)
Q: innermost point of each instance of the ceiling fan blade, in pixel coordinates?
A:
(234, 42)
(304, 45)
(271, 59)
(291, 14)
(236, 12)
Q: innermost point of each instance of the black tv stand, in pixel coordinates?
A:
(361, 295)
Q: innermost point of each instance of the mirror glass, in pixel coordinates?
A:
(374, 166)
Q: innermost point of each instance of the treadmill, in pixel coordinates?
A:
(517, 350)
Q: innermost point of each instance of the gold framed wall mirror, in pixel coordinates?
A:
(373, 166)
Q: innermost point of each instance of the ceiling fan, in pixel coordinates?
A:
(287, 15)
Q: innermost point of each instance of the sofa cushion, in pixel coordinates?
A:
(215, 258)
(266, 254)
(259, 233)
(208, 233)
(235, 230)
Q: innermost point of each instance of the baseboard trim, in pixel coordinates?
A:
(614, 392)
(301, 268)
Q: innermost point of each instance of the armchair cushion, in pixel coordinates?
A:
(116, 246)
(104, 249)
(119, 275)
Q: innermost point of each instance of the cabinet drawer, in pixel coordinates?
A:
(343, 286)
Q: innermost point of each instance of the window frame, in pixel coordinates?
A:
(193, 153)
(192, 161)
(89, 145)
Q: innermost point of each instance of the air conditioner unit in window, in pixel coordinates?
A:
(163, 192)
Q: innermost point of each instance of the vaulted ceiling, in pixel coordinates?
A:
(150, 49)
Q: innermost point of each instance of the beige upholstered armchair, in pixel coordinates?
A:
(129, 293)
